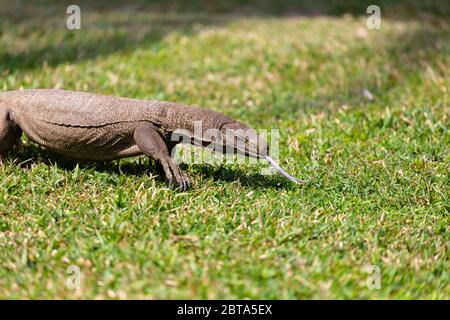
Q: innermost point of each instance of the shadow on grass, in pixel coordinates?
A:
(27, 155)
(41, 37)
(116, 26)
(227, 174)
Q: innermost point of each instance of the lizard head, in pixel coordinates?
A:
(240, 139)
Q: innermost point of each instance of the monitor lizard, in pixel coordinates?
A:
(94, 127)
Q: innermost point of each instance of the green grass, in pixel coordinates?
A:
(378, 171)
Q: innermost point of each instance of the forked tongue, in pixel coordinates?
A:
(284, 173)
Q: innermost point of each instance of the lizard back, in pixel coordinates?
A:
(81, 109)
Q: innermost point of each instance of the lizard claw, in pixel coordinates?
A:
(183, 181)
(169, 182)
(175, 177)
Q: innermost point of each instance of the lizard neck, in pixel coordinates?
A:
(191, 119)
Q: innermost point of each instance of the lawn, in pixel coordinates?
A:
(375, 209)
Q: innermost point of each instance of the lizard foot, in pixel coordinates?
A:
(175, 177)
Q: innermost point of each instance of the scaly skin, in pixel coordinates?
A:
(94, 127)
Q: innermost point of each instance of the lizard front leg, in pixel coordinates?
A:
(9, 132)
(151, 143)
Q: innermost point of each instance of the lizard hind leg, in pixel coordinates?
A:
(9, 132)
(152, 144)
